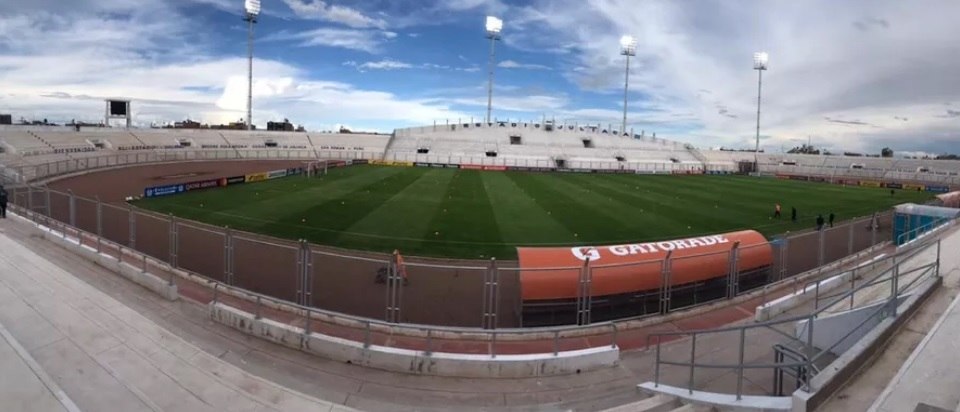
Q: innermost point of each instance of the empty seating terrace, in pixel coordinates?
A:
(525, 143)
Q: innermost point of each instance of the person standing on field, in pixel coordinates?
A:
(776, 211)
(830, 219)
(793, 214)
(820, 222)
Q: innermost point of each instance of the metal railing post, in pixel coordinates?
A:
(693, 358)
(556, 343)
(228, 256)
(850, 238)
(743, 342)
(132, 226)
(665, 289)
(810, 352)
(174, 242)
(938, 258)
(656, 366)
(73, 208)
(99, 225)
(257, 313)
(733, 285)
(820, 251)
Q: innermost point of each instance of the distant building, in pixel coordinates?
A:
(284, 126)
(186, 124)
(6, 119)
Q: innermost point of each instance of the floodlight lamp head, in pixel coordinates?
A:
(252, 7)
(628, 46)
(760, 61)
(494, 26)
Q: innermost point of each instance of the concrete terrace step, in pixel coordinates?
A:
(106, 356)
(656, 403)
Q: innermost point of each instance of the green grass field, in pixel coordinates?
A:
(475, 214)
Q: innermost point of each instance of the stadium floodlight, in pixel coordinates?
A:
(494, 26)
(628, 48)
(252, 11)
(759, 64)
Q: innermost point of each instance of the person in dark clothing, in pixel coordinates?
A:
(3, 203)
(793, 214)
(830, 219)
(892, 192)
(819, 222)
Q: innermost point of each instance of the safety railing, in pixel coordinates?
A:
(483, 294)
(907, 269)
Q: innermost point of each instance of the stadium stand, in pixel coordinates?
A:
(502, 144)
(540, 145)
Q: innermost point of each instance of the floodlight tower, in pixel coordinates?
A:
(759, 64)
(493, 26)
(251, 12)
(628, 48)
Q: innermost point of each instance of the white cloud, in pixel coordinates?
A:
(49, 70)
(894, 62)
(385, 64)
(510, 64)
(363, 40)
(332, 13)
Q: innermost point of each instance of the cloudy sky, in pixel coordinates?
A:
(847, 75)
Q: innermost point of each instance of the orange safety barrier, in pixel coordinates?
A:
(692, 260)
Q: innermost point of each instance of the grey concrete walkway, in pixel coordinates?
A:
(186, 323)
(24, 386)
(932, 372)
(107, 357)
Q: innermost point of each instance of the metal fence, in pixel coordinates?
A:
(789, 349)
(479, 294)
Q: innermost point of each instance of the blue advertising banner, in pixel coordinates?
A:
(166, 190)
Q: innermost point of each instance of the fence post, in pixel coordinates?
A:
(99, 223)
(665, 287)
(938, 258)
(784, 255)
(173, 241)
(850, 239)
(894, 286)
(491, 295)
(733, 284)
(30, 198)
(46, 195)
(132, 226)
(810, 354)
(228, 256)
(820, 251)
(73, 208)
(584, 297)
(693, 357)
(743, 341)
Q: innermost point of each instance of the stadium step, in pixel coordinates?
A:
(660, 403)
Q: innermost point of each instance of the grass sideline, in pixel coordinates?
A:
(476, 214)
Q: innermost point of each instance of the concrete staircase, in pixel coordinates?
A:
(661, 403)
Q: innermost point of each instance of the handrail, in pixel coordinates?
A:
(892, 275)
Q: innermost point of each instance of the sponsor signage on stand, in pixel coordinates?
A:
(166, 190)
(203, 184)
(277, 174)
(256, 177)
(236, 180)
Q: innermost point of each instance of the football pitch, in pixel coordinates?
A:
(482, 214)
